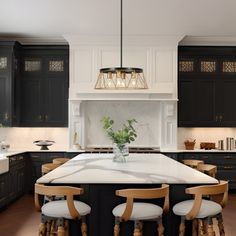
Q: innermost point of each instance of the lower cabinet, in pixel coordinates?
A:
(225, 162)
(3, 190)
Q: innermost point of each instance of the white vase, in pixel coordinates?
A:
(120, 152)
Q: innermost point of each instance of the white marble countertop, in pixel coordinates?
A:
(140, 168)
(167, 150)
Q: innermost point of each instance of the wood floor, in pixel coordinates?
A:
(21, 219)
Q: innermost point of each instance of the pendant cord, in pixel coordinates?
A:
(121, 32)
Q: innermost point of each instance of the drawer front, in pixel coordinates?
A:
(224, 159)
(229, 175)
(172, 155)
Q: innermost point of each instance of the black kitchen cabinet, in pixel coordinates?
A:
(37, 159)
(17, 176)
(9, 81)
(3, 190)
(45, 84)
(206, 86)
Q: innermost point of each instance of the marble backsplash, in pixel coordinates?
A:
(204, 135)
(23, 138)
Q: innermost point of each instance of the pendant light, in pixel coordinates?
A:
(121, 77)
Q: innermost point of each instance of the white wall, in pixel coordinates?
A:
(23, 138)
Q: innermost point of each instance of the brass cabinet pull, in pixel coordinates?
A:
(40, 118)
(216, 118)
(228, 157)
(46, 117)
(221, 117)
(6, 116)
(228, 167)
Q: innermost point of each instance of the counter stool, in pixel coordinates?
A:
(141, 211)
(208, 169)
(193, 163)
(60, 211)
(203, 210)
(46, 168)
(60, 161)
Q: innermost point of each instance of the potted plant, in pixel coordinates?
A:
(120, 138)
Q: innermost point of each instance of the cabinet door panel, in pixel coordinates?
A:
(3, 99)
(31, 102)
(228, 96)
(186, 103)
(205, 103)
(55, 103)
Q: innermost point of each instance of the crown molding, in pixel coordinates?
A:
(208, 41)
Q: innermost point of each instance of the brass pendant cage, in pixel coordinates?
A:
(121, 78)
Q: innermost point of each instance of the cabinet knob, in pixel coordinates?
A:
(220, 117)
(6, 116)
(40, 118)
(46, 117)
(216, 118)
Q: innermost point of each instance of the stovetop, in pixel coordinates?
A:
(131, 150)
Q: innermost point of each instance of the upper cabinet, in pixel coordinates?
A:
(44, 86)
(206, 86)
(9, 81)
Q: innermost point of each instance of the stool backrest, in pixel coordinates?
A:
(60, 160)
(46, 168)
(67, 191)
(154, 193)
(208, 169)
(210, 190)
(192, 163)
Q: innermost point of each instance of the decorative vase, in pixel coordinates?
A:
(120, 152)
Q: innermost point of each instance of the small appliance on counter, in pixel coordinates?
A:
(44, 144)
(229, 143)
(3, 146)
(221, 144)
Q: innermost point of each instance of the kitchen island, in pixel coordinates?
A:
(100, 177)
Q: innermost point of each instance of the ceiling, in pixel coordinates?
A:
(55, 18)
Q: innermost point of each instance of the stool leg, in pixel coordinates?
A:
(160, 227)
(137, 231)
(117, 227)
(182, 227)
(194, 227)
(84, 227)
(48, 227)
(42, 229)
(60, 231)
(201, 231)
(221, 225)
(67, 227)
(52, 229)
(210, 231)
(141, 227)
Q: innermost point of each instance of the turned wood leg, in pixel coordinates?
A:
(67, 227)
(42, 229)
(137, 231)
(84, 227)
(60, 231)
(52, 229)
(182, 227)
(194, 227)
(141, 227)
(210, 231)
(48, 227)
(221, 225)
(201, 228)
(117, 227)
(160, 228)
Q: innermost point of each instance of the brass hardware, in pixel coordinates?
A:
(46, 117)
(40, 118)
(228, 157)
(221, 117)
(216, 118)
(6, 116)
(228, 167)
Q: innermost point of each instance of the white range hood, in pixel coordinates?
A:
(155, 108)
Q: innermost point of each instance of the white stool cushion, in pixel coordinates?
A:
(59, 209)
(208, 208)
(141, 211)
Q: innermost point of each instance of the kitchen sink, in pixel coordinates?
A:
(4, 164)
